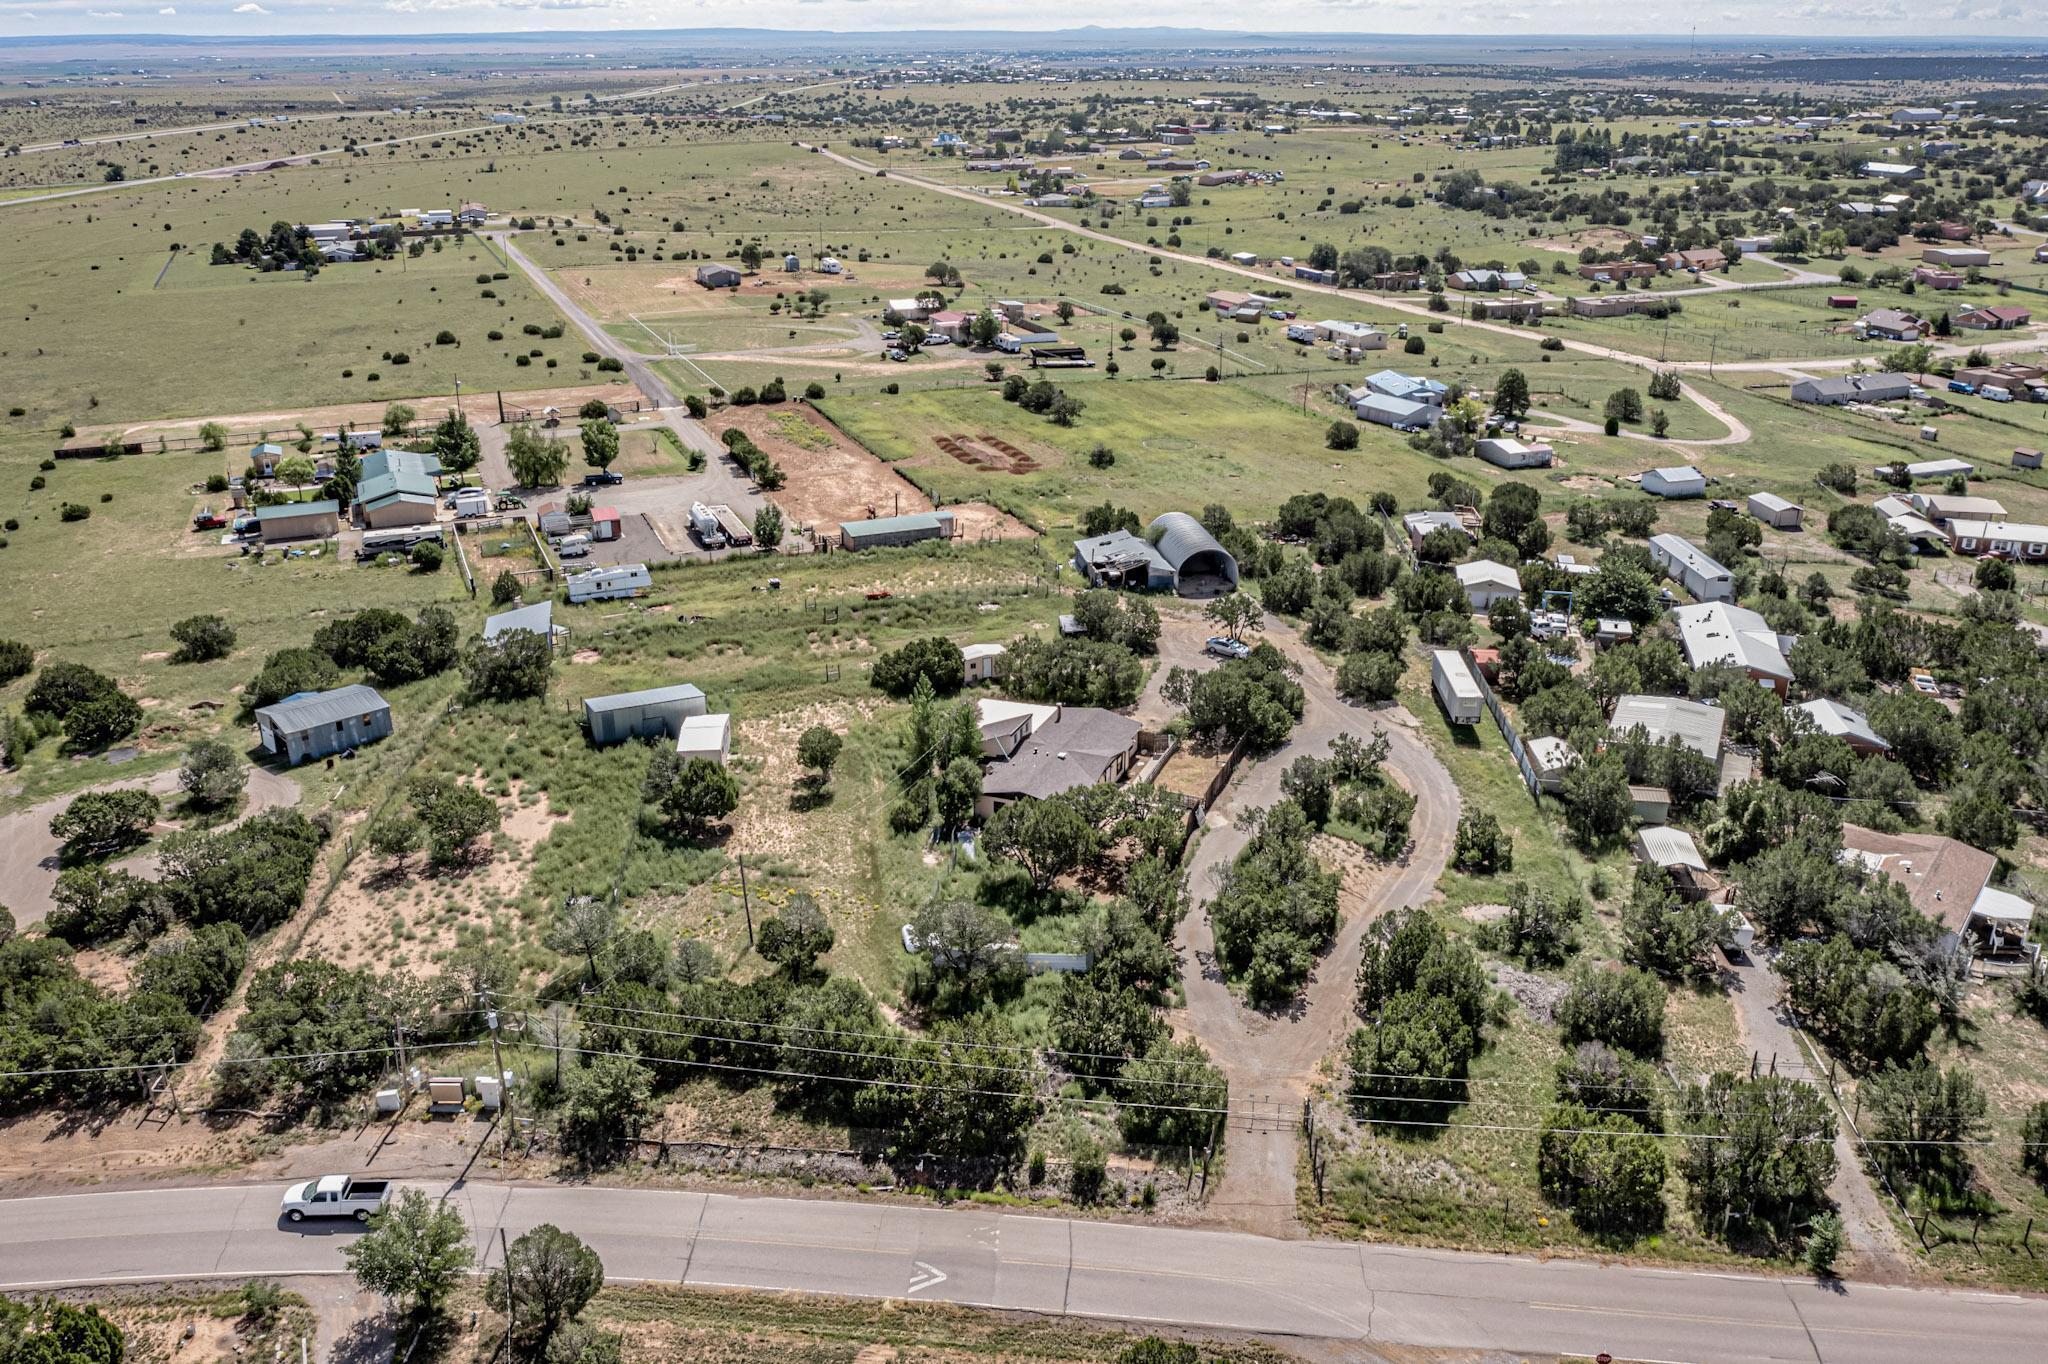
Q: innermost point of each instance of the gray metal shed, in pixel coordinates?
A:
(1191, 550)
(641, 714)
(316, 723)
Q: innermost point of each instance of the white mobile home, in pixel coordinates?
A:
(1692, 568)
(1456, 689)
(610, 584)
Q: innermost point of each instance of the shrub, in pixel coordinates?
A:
(201, 638)
(1619, 1006)
(72, 511)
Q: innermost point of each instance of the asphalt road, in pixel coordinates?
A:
(982, 1257)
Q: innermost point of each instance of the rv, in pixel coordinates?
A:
(398, 540)
(573, 547)
(610, 584)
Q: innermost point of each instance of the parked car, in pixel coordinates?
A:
(336, 1196)
(938, 339)
(1958, 386)
(1923, 682)
(895, 354)
(1223, 646)
(603, 478)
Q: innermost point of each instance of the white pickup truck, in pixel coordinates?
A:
(336, 1196)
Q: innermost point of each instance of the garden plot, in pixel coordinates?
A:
(833, 479)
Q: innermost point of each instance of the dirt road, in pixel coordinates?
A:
(1767, 1030)
(28, 852)
(1270, 1059)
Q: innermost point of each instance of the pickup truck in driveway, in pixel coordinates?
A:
(336, 1196)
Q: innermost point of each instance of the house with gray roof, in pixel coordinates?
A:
(1403, 414)
(1697, 725)
(315, 724)
(1853, 388)
(1721, 633)
(1844, 723)
(1121, 559)
(1076, 746)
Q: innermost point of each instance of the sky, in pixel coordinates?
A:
(1862, 18)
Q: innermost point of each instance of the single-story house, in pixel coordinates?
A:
(1520, 309)
(1191, 552)
(265, 457)
(1842, 722)
(1701, 259)
(1609, 271)
(1775, 511)
(2020, 380)
(1121, 559)
(950, 323)
(1419, 525)
(1391, 383)
(705, 736)
(1697, 725)
(907, 529)
(718, 275)
(397, 488)
(1891, 324)
(1680, 480)
(1075, 746)
(1910, 523)
(1238, 305)
(1486, 582)
(1933, 277)
(315, 724)
(641, 714)
(1402, 414)
(2000, 539)
(1948, 881)
(1509, 453)
(1942, 508)
(298, 521)
(980, 662)
(1892, 170)
(1721, 632)
(1490, 281)
(1999, 318)
(1692, 568)
(538, 619)
(1616, 305)
(1853, 388)
(1956, 257)
(1352, 335)
(908, 309)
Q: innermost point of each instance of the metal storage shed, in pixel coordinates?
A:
(316, 723)
(641, 714)
(1191, 550)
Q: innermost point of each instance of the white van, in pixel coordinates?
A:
(573, 546)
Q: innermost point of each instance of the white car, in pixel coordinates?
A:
(1225, 647)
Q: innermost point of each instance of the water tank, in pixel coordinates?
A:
(490, 1091)
(388, 1100)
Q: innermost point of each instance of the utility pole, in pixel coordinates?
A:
(745, 903)
(505, 1253)
(497, 1059)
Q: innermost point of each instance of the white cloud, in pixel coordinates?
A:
(251, 8)
(103, 14)
(168, 11)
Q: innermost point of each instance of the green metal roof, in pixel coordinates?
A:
(286, 509)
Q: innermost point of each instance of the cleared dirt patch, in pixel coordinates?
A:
(988, 452)
(833, 478)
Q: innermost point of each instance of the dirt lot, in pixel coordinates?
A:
(832, 478)
(987, 452)
(670, 288)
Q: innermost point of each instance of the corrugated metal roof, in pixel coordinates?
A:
(1179, 537)
(288, 509)
(1698, 725)
(653, 696)
(1669, 847)
(886, 525)
(539, 618)
(323, 708)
